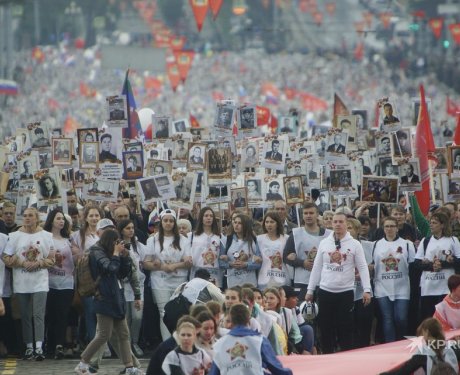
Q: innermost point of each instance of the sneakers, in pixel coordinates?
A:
(39, 356)
(107, 352)
(93, 369)
(138, 352)
(29, 354)
(82, 369)
(59, 352)
(134, 371)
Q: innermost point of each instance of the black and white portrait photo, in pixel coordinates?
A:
(62, 151)
(39, 136)
(273, 152)
(247, 118)
(409, 173)
(117, 111)
(254, 187)
(180, 126)
(239, 199)
(48, 187)
(133, 164)
(161, 126)
(286, 124)
(89, 155)
(293, 189)
(401, 143)
(196, 156)
(108, 148)
(337, 143)
(224, 116)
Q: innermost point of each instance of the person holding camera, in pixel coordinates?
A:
(109, 263)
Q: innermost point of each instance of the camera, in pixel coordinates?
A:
(127, 245)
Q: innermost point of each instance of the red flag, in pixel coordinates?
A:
(200, 8)
(273, 124)
(456, 139)
(436, 25)
(424, 150)
(451, 107)
(419, 13)
(385, 18)
(340, 109)
(38, 55)
(176, 43)
(70, 125)
(311, 102)
(368, 16)
(359, 51)
(263, 115)
(330, 8)
(184, 60)
(173, 74)
(194, 122)
(215, 6)
(455, 31)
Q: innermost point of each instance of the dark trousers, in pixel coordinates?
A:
(427, 305)
(8, 333)
(57, 314)
(335, 317)
(362, 323)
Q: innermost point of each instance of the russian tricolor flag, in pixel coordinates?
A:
(8, 87)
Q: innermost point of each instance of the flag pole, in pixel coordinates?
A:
(430, 171)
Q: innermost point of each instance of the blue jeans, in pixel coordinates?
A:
(394, 318)
(308, 337)
(90, 317)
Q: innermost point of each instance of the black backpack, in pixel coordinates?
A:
(175, 309)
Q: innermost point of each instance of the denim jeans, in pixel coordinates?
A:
(394, 317)
(90, 317)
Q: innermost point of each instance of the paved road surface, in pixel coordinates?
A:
(14, 366)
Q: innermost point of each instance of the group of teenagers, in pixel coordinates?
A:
(363, 282)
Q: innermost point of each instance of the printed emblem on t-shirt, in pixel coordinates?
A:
(336, 257)
(59, 259)
(311, 254)
(391, 263)
(238, 350)
(209, 257)
(277, 260)
(31, 253)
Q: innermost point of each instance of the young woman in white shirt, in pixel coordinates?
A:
(437, 257)
(61, 282)
(206, 245)
(168, 260)
(391, 258)
(81, 241)
(30, 252)
(134, 304)
(272, 273)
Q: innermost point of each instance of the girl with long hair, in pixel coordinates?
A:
(134, 305)
(271, 244)
(30, 252)
(61, 282)
(241, 256)
(81, 241)
(433, 352)
(168, 260)
(206, 245)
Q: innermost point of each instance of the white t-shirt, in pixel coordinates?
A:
(31, 247)
(90, 240)
(435, 283)
(272, 273)
(168, 280)
(61, 274)
(136, 258)
(205, 254)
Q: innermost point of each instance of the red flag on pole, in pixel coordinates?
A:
(215, 7)
(339, 107)
(173, 74)
(194, 122)
(456, 139)
(436, 25)
(451, 107)
(200, 8)
(184, 60)
(263, 115)
(424, 150)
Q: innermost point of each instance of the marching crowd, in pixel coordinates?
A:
(352, 271)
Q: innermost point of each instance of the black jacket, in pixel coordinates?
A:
(109, 299)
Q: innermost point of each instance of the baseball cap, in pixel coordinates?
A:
(104, 223)
(289, 291)
(168, 211)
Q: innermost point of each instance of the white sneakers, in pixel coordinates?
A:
(82, 369)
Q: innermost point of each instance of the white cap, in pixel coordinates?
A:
(104, 223)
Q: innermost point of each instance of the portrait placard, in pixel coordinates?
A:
(180, 126)
(196, 156)
(224, 118)
(133, 163)
(99, 189)
(274, 152)
(111, 146)
(389, 117)
(409, 172)
(293, 190)
(48, 184)
(62, 151)
(39, 135)
(239, 199)
(379, 189)
(454, 161)
(148, 189)
(161, 126)
(28, 164)
(348, 124)
(117, 111)
(219, 162)
(89, 154)
(401, 146)
(441, 156)
(361, 119)
(184, 184)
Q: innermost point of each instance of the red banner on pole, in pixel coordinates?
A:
(436, 25)
(200, 9)
(173, 74)
(452, 108)
(385, 18)
(263, 115)
(215, 7)
(176, 43)
(184, 60)
(330, 8)
(455, 31)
